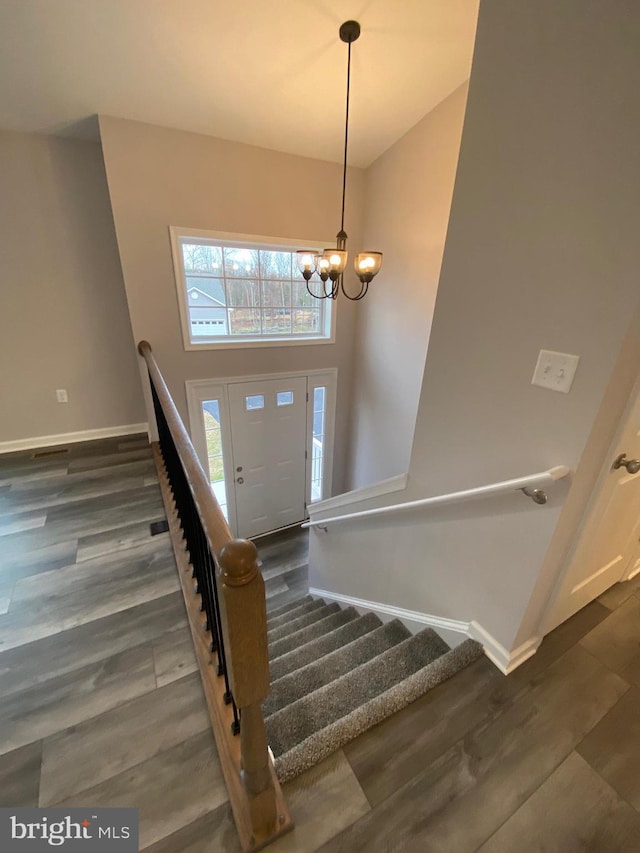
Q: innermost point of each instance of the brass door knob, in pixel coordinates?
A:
(632, 465)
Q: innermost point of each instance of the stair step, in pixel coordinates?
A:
(280, 611)
(294, 613)
(314, 649)
(329, 667)
(311, 713)
(322, 743)
(311, 632)
(301, 622)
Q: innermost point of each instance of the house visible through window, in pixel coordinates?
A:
(235, 291)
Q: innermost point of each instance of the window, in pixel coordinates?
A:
(239, 291)
(317, 442)
(213, 436)
(255, 401)
(284, 398)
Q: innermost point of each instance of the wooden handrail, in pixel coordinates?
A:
(235, 604)
(213, 521)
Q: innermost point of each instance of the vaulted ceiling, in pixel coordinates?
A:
(266, 72)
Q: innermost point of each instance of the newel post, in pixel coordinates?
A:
(244, 625)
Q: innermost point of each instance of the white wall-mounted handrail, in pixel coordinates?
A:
(532, 484)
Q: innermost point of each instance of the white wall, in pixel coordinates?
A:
(407, 202)
(160, 177)
(63, 314)
(542, 251)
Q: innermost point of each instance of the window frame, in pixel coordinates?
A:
(249, 241)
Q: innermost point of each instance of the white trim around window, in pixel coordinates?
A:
(327, 307)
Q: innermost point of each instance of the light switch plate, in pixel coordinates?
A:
(555, 370)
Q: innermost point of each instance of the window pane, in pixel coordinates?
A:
(219, 491)
(216, 469)
(300, 296)
(209, 327)
(244, 321)
(318, 399)
(211, 410)
(205, 291)
(275, 264)
(211, 416)
(254, 401)
(241, 263)
(214, 442)
(318, 424)
(276, 321)
(276, 293)
(244, 292)
(317, 469)
(198, 258)
(284, 398)
(306, 320)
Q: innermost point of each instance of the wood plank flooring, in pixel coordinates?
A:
(100, 703)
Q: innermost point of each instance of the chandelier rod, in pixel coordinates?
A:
(346, 137)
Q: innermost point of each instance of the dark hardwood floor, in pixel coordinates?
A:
(100, 703)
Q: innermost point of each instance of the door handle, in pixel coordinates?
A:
(632, 465)
(240, 480)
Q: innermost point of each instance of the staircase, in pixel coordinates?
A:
(287, 689)
(335, 674)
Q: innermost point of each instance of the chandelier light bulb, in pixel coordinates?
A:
(323, 268)
(367, 265)
(306, 262)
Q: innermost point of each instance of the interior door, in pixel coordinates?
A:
(609, 542)
(268, 435)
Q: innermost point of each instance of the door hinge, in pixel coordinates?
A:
(307, 396)
(306, 454)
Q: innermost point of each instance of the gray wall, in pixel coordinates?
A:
(407, 202)
(159, 177)
(63, 314)
(542, 251)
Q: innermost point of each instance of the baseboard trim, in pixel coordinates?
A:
(71, 437)
(505, 661)
(395, 612)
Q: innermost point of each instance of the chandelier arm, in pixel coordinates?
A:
(362, 293)
(322, 295)
(346, 137)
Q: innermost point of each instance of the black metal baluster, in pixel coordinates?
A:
(202, 561)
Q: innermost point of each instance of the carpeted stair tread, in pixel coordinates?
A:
(307, 607)
(280, 611)
(311, 632)
(295, 625)
(324, 645)
(315, 675)
(301, 719)
(318, 745)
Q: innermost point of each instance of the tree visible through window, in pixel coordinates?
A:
(245, 292)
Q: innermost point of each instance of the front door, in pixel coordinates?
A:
(609, 541)
(268, 435)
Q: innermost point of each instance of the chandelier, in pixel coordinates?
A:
(329, 265)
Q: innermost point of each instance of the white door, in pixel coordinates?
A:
(608, 546)
(268, 435)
